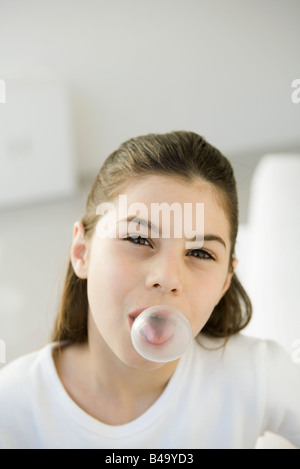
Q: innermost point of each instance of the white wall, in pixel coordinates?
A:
(221, 68)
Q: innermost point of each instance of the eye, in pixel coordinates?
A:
(137, 239)
(200, 254)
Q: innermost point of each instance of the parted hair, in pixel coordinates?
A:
(179, 154)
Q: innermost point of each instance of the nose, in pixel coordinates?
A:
(165, 274)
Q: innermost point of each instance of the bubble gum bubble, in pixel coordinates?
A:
(161, 333)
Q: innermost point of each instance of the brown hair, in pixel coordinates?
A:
(180, 154)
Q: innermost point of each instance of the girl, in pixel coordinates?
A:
(89, 388)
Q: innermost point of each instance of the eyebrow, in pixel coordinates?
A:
(153, 228)
(211, 237)
(141, 221)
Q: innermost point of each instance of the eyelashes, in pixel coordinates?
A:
(138, 240)
(200, 254)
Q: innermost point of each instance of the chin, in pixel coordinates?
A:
(140, 363)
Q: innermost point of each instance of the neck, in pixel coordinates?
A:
(124, 381)
(104, 386)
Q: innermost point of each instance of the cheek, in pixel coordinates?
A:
(206, 293)
(103, 282)
(105, 289)
(207, 285)
(109, 276)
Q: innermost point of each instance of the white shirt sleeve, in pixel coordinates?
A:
(282, 394)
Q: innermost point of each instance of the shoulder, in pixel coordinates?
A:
(237, 347)
(23, 390)
(240, 346)
(243, 356)
(266, 353)
(18, 378)
(247, 365)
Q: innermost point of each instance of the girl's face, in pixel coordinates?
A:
(133, 271)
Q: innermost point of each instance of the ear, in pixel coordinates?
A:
(79, 251)
(229, 276)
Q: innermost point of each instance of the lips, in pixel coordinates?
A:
(132, 316)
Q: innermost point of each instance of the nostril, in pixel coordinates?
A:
(157, 285)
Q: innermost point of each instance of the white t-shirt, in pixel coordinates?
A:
(223, 398)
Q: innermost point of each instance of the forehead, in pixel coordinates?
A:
(166, 189)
